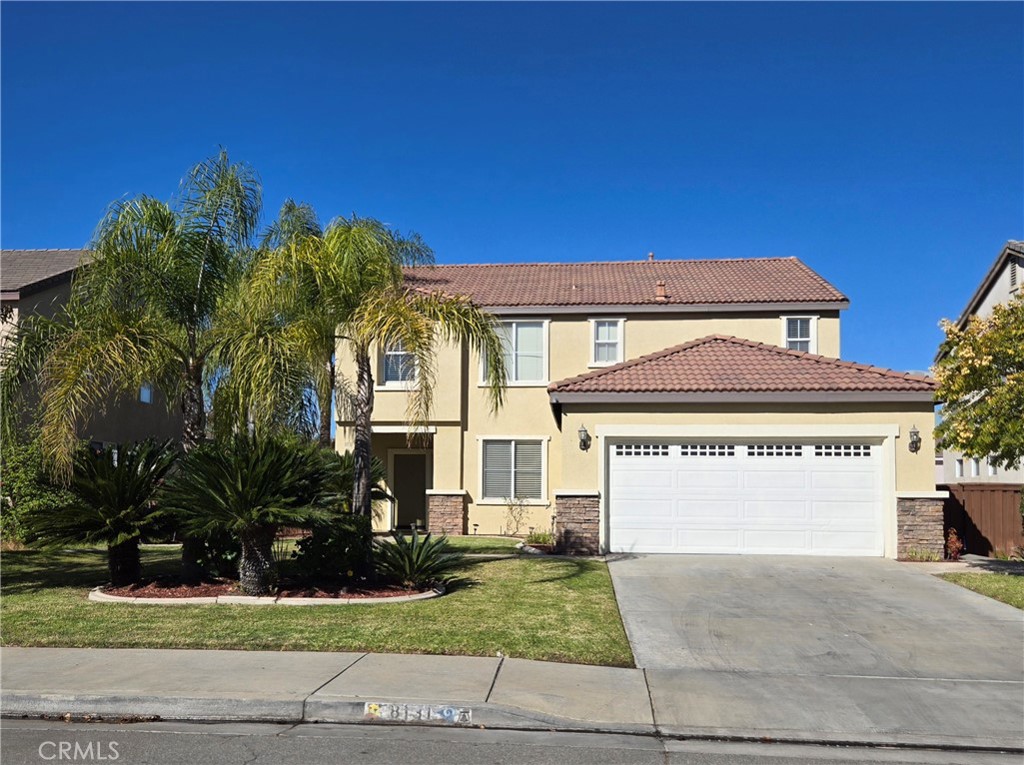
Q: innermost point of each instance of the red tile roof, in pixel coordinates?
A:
(23, 269)
(718, 364)
(686, 282)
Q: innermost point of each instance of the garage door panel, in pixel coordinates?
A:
(642, 511)
(647, 540)
(774, 540)
(780, 478)
(827, 510)
(707, 479)
(778, 498)
(708, 508)
(778, 510)
(835, 542)
(842, 479)
(707, 540)
(639, 477)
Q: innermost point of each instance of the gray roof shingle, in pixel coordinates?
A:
(21, 270)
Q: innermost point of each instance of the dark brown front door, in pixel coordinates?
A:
(410, 486)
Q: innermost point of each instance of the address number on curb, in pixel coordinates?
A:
(431, 713)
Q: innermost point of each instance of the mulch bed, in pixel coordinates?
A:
(169, 588)
(164, 588)
(341, 591)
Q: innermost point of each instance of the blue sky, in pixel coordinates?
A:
(881, 143)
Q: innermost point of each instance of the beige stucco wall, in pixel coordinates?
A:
(463, 414)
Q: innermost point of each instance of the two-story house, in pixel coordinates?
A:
(663, 406)
(1001, 282)
(39, 282)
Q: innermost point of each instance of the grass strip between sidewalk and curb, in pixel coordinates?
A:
(550, 609)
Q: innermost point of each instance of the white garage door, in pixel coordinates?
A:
(773, 498)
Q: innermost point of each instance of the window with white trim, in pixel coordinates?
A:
(512, 469)
(146, 394)
(958, 468)
(993, 469)
(525, 351)
(606, 342)
(398, 366)
(800, 333)
(975, 467)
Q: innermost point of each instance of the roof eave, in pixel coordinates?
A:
(742, 397)
(508, 310)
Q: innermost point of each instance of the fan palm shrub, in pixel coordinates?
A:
(249, 486)
(114, 491)
(417, 562)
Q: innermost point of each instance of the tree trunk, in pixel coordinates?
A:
(361, 451)
(193, 410)
(256, 570)
(325, 403)
(124, 563)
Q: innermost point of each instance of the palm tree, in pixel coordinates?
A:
(114, 491)
(278, 352)
(144, 310)
(145, 307)
(248, 486)
(355, 293)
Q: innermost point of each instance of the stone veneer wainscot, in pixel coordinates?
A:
(919, 526)
(578, 523)
(446, 512)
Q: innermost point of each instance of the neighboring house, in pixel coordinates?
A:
(663, 406)
(1002, 282)
(39, 282)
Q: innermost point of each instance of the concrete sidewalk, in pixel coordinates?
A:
(490, 692)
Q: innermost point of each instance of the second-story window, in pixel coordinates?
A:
(399, 366)
(525, 351)
(607, 342)
(146, 394)
(799, 332)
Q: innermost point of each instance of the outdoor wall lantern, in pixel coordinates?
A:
(584, 438)
(915, 439)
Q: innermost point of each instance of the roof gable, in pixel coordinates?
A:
(736, 282)
(730, 365)
(1012, 249)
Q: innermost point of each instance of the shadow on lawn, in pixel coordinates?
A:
(33, 570)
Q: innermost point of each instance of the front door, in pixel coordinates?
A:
(409, 485)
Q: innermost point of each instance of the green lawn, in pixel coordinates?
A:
(535, 608)
(488, 545)
(1009, 588)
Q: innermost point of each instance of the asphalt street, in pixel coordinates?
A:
(36, 742)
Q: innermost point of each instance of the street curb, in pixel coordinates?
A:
(301, 708)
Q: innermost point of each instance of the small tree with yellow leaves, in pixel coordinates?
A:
(981, 384)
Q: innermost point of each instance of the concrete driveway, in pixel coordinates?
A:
(828, 648)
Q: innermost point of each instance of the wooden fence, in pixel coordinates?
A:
(986, 516)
